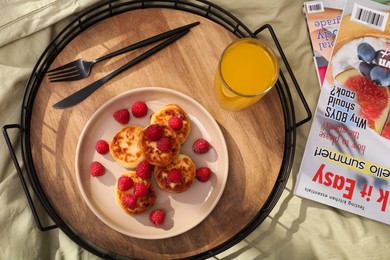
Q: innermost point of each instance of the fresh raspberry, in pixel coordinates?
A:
(203, 174)
(122, 116)
(164, 144)
(102, 147)
(144, 170)
(139, 109)
(141, 190)
(96, 169)
(175, 123)
(154, 132)
(129, 201)
(174, 175)
(201, 146)
(157, 217)
(125, 183)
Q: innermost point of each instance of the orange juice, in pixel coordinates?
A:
(247, 70)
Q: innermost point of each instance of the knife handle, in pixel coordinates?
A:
(143, 56)
(148, 41)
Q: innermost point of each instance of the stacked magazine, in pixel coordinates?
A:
(346, 163)
(322, 19)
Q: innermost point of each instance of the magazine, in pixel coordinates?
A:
(346, 163)
(322, 20)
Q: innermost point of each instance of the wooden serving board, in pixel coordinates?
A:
(255, 136)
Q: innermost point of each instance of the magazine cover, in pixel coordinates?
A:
(322, 18)
(346, 163)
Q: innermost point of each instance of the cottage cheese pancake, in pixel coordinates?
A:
(124, 146)
(162, 117)
(153, 154)
(136, 204)
(187, 172)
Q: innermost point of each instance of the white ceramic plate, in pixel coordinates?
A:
(184, 210)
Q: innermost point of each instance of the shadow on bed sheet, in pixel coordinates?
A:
(273, 234)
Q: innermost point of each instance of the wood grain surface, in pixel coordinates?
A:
(255, 136)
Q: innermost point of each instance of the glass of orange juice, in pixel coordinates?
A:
(247, 70)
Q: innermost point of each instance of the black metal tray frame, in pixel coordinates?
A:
(109, 8)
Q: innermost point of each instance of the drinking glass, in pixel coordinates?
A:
(247, 70)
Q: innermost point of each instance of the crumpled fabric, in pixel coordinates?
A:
(295, 229)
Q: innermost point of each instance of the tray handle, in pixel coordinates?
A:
(295, 82)
(22, 180)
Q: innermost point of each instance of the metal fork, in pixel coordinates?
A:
(80, 68)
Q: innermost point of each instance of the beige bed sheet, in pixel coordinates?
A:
(296, 228)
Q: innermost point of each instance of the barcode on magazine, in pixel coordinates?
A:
(314, 7)
(372, 18)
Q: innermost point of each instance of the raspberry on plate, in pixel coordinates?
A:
(122, 116)
(175, 123)
(144, 170)
(96, 169)
(129, 201)
(125, 183)
(174, 175)
(164, 144)
(141, 190)
(154, 132)
(201, 146)
(139, 109)
(203, 174)
(102, 147)
(157, 217)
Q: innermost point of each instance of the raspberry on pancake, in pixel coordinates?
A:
(162, 116)
(151, 151)
(125, 199)
(182, 163)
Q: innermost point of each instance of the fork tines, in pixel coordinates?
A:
(67, 72)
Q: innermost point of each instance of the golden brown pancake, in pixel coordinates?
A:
(162, 116)
(188, 172)
(152, 154)
(143, 203)
(124, 147)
